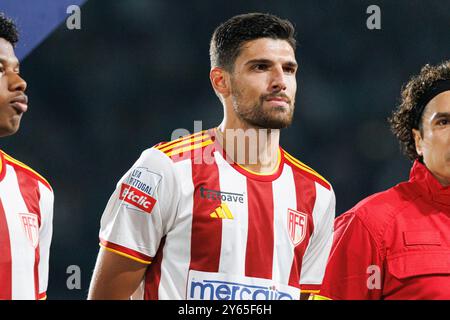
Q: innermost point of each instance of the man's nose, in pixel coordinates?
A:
(278, 82)
(17, 83)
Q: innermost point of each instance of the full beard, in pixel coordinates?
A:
(256, 115)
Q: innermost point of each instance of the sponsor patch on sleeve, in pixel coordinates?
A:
(138, 189)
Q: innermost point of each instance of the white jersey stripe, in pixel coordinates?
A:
(177, 249)
(234, 240)
(283, 198)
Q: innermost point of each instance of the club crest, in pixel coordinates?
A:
(297, 224)
(30, 225)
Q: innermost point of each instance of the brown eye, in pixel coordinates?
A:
(260, 67)
(289, 70)
(443, 122)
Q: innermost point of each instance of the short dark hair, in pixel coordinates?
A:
(228, 38)
(8, 30)
(405, 117)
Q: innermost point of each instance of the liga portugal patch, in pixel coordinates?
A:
(137, 198)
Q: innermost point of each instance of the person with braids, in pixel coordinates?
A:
(26, 198)
(396, 244)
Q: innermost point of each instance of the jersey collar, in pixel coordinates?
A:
(423, 176)
(248, 173)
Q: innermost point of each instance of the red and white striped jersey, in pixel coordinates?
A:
(210, 229)
(26, 213)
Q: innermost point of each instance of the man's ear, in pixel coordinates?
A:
(220, 82)
(418, 140)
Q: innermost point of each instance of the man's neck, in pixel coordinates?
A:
(255, 149)
(444, 181)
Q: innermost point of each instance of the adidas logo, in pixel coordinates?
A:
(222, 212)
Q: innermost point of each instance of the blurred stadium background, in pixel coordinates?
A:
(138, 69)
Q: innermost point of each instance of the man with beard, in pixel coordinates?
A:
(26, 198)
(224, 213)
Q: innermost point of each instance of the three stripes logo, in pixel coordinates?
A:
(222, 212)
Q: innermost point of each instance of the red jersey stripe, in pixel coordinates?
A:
(205, 256)
(306, 197)
(5, 258)
(42, 296)
(260, 238)
(153, 274)
(29, 188)
(37, 259)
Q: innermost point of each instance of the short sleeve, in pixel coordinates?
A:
(316, 256)
(142, 208)
(45, 237)
(354, 269)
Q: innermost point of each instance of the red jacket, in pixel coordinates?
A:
(394, 244)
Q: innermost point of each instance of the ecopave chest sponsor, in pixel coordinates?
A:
(138, 189)
(221, 286)
(221, 195)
